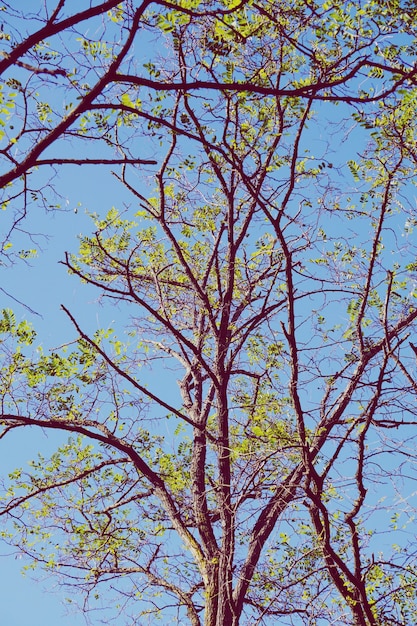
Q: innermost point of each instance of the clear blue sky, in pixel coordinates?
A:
(43, 285)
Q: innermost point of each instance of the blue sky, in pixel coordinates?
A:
(43, 285)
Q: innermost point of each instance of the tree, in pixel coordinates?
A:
(256, 272)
